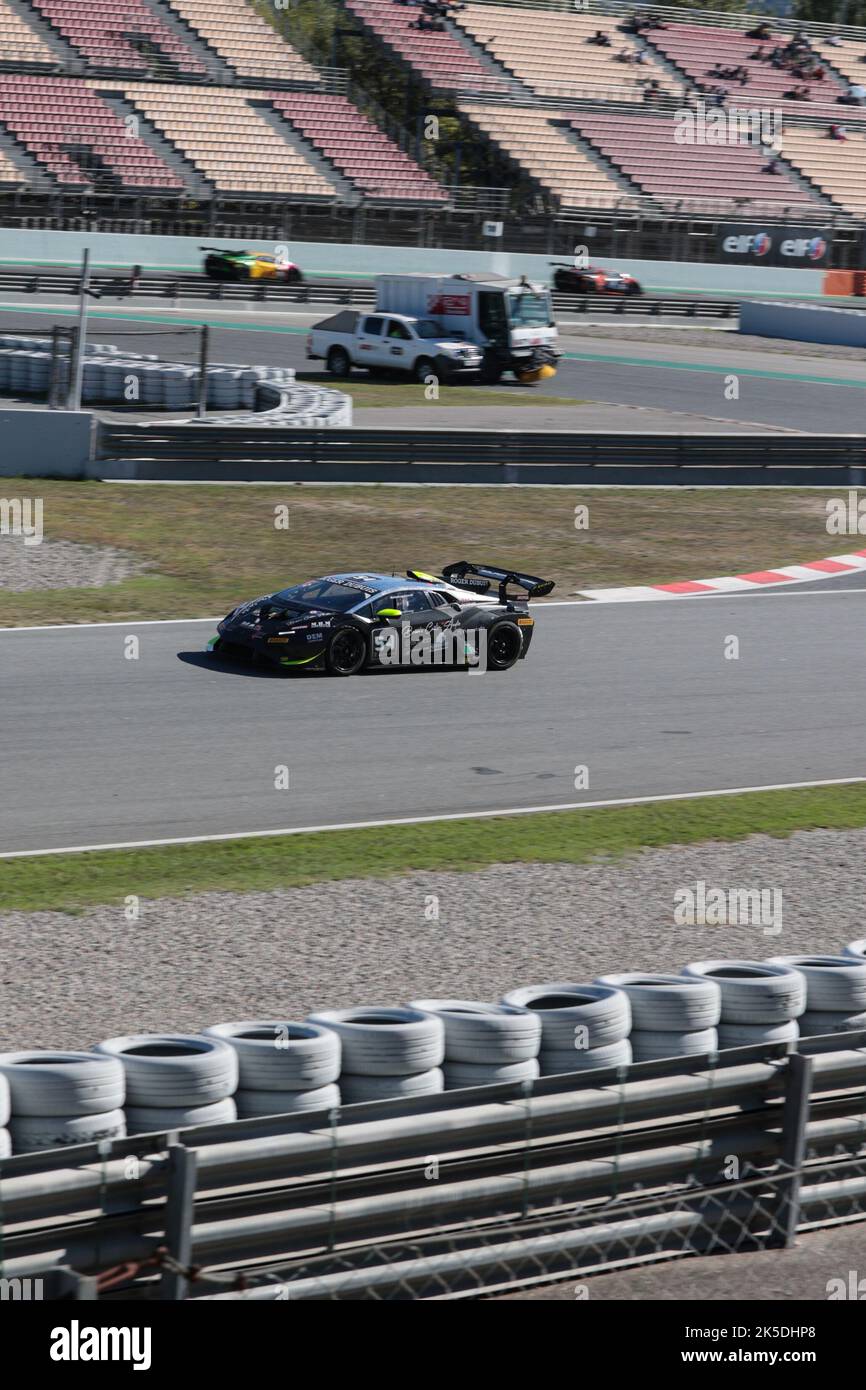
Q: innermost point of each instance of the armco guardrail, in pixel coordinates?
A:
(190, 452)
(416, 1193)
(326, 292)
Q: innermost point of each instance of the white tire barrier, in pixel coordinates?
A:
(575, 1016)
(555, 1061)
(857, 949)
(746, 1034)
(174, 1069)
(754, 991)
(354, 1088)
(5, 1144)
(30, 1133)
(485, 1034)
(385, 1042)
(5, 1101)
(61, 1083)
(251, 1104)
(458, 1074)
(651, 1046)
(668, 1003)
(834, 984)
(813, 1023)
(281, 1056)
(148, 1119)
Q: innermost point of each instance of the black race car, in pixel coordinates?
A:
(591, 279)
(345, 623)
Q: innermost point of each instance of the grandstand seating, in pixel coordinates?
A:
(355, 146)
(234, 146)
(644, 149)
(837, 168)
(440, 57)
(20, 42)
(10, 177)
(51, 116)
(552, 156)
(549, 52)
(698, 48)
(243, 39)
(106, 34)
(847, 56)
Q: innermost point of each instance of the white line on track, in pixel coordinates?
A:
(429, 820)
(775, 592)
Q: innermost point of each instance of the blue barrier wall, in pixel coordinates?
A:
(329, 258)
(45, 443)
(807, 323)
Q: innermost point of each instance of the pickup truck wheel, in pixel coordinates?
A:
(339, 363)
(422, 369)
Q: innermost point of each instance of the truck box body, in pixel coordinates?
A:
(511, 319)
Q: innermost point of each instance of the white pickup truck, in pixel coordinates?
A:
(379, 341)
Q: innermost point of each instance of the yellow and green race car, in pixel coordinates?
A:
(249, 265)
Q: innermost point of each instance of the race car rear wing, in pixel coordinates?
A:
(467, 576)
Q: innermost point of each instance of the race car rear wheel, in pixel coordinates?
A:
(504, 645)
(293, 276)
(346, 653)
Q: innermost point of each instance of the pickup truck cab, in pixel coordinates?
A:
(419, 347)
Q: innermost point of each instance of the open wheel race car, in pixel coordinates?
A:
(346, 623)
(249, 265)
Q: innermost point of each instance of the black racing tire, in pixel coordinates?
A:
(424, 367)
(339, 363)
(293, 276)
(346, 652)
(504, 645)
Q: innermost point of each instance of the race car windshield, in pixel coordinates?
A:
(323, 593)
(529, 310)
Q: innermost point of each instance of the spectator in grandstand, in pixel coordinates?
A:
(837, 132)
(625, 55)
(760, 31)
(834, 41)
(600, 38)
(800, 93)
(772, 166)
(759, 55)
(640, 56)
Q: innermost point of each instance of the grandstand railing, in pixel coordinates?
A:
(32, 60)
(714, 19)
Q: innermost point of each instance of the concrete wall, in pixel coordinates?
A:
(328, 258)
(808, 323)
(44, 443)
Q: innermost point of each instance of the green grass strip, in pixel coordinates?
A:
(73, 881)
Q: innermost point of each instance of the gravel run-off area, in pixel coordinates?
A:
(70, 980)
(59, 564)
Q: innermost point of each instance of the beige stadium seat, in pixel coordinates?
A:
(837, 167)
(549, 154)
(228, 140)
(19, 43)
(549, 52)
(243, 39)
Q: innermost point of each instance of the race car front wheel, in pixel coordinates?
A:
(346, 653)
(504, 645)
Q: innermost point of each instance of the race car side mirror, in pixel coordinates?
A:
(389, 613)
